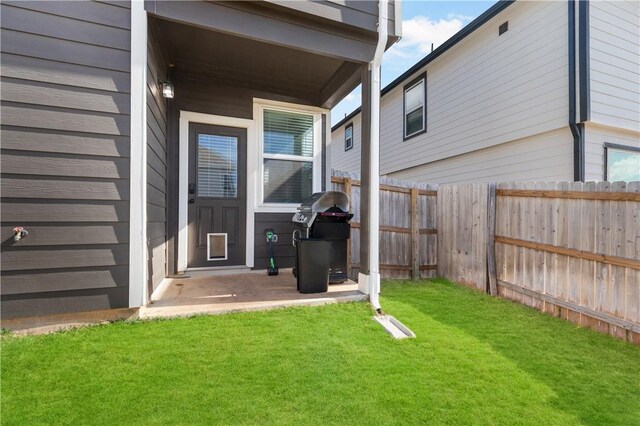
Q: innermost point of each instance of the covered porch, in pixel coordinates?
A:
(265, 97)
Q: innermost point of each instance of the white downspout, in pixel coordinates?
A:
(374, 159)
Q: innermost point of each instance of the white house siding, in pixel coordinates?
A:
(543, 157)
(348, 161)
(485, 91)
(615, 63)
(488, 89)
(596, 137)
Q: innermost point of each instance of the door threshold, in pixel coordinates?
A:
(218, 270)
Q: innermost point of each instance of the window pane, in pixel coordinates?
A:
(217, 166)
(623, 165)
(414, 122)
(287, 181)
(348, 132)
(288, 133)
(348, 138)
(414, 97)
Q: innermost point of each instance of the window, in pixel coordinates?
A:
(348, 137)
(622, 163)
(290, 146)
(217, 166)
(415, 95)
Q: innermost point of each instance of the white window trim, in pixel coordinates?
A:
(407, 112)
(187, 117)
(255, 161)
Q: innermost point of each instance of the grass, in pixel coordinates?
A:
(476, 360)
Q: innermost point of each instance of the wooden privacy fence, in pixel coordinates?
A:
(569, 249)
(408, 235)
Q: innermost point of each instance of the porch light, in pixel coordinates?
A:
(167, 89)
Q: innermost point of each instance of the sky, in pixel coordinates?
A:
(423, 22)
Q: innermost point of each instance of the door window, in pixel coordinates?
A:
(217, 166)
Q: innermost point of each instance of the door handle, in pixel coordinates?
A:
(191, 201)
(192, 188)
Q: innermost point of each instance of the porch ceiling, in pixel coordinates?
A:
(199, 53)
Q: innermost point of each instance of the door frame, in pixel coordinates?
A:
(186, 118)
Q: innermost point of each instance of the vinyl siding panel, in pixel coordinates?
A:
(484, 92)
(347, 161)
(65, 156)
(595, 138)
(488, 89)
(549, 157)
(283, 250)
(615, 63)
(157, 68)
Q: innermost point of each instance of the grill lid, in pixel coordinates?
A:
(329, 203)
(323, 201)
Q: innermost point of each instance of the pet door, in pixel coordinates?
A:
(217, 246)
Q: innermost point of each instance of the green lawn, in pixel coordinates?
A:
(476, 360)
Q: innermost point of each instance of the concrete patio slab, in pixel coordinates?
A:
(224, 291)
(240, 292)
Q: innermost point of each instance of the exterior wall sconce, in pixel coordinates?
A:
(167, 85)
(19, 233)
(167, 89)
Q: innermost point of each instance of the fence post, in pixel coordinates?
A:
(415, 236)
(491, 240)
(347, 190)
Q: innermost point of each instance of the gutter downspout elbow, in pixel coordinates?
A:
(374, 160)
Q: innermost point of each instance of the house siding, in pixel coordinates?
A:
(595, 137)
(347, 160)
(614, 47)
(283, 250)
(157, 68)
(486, 91)
(65, 156)
(549, 158)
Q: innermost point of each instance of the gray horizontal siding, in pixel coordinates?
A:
(48, 164)
(36, 69)
(18, 283)
(51, 118)
(157, 68)
(62, 27)
(283, 250)
(35, 45)
(62, 302)
(65, 156)
(46, 94)
(72, 234)
(60, 211)
(60, 141)
(86, 11)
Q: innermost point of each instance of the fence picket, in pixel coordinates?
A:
(569, 249)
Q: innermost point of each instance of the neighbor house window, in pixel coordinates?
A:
(622, 163)
(289, 145)
(415, 114)
(348, 137)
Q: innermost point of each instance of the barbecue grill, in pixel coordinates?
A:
(325, 216)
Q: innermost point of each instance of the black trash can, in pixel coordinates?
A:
(312, 269)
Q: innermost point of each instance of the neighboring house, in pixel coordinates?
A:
(144, 139)
(544, 91)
